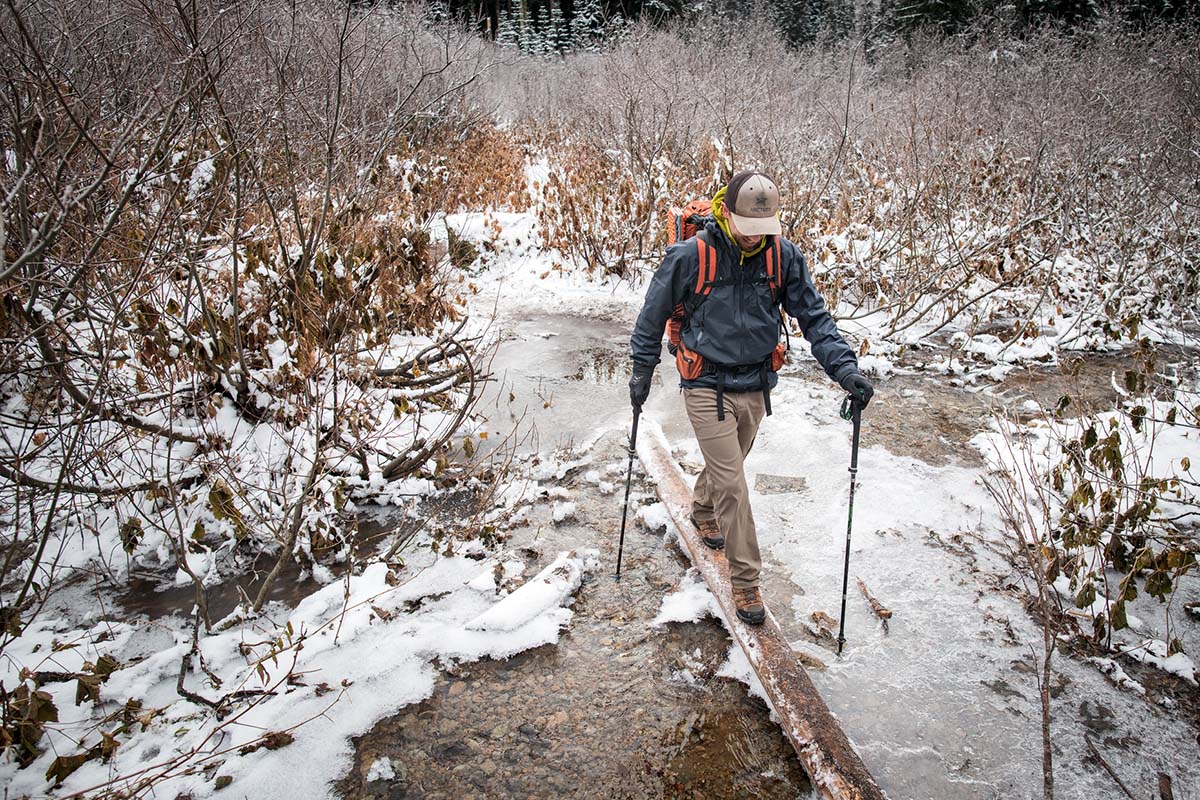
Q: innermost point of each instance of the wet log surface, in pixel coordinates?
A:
(834, 767)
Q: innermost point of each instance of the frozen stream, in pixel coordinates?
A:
(943, 705)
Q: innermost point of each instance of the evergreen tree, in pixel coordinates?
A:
(588, 25)
(538, 44)
(1070, 12)
(839, 19)
(868, 29)
(800, 21)
(949, 16)
(525, 32)
(508, 33)
(556, 40)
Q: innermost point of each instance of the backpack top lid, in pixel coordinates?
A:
(686, 222)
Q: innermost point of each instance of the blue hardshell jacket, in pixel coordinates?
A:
(736, 327)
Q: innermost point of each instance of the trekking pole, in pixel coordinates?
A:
(851, 410)
(637, 412)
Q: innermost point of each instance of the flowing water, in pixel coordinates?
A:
(618, 708)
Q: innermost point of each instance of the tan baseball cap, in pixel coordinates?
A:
(752, 201)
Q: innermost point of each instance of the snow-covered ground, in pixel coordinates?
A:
(347, 655)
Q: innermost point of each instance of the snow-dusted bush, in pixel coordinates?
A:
(224, 316)
(1109, 505)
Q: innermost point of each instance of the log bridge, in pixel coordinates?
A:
(835, 769)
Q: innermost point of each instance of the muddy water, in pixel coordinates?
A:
(925, 416)
(156, 596)
(563, 379)
(617, 709)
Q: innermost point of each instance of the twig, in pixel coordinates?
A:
(877, 608)
(185, 664)
(1109, 769)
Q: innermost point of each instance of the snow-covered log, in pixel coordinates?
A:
(551, 587)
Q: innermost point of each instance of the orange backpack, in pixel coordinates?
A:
(688, 223)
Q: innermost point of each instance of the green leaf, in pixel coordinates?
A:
(1086, 596)
(1159, 585)
(1119, 622)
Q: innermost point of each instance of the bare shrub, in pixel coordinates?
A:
(220, 324)
(1109, 502)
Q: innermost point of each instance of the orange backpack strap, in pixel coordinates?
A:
(707, 272)
(774, 278)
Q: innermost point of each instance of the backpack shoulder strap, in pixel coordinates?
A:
(707, 273)
(773, 255)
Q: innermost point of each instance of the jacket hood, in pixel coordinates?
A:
(717, 201)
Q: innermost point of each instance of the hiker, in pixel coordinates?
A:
(728, 351)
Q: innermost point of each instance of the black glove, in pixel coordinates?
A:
(639, 386)
(859, 388)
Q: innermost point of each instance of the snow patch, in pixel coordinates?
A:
(654, 516)
(691, 602)
(381, 770)
(547, 590)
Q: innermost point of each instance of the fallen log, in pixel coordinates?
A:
(835, 769)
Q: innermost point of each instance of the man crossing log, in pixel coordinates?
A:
(723, 290)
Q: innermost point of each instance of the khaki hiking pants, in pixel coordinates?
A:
(721, 492)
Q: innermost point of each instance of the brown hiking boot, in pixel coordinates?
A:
(710, 534)
(750, 606)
